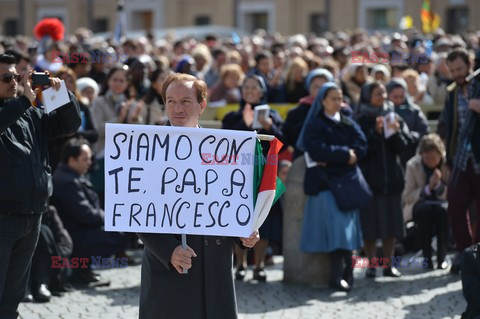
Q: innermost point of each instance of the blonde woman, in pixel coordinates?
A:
(416, 90)
(424, 196)
(295, 89)
(228, 88)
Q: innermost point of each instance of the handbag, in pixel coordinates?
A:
(350, 190)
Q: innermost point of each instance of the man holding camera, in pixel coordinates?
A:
(25, 175)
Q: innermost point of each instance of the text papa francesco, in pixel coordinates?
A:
(162, 181)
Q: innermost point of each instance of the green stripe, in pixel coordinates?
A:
(258, 173)
(279, 190)
(258, 167)
(426, 5)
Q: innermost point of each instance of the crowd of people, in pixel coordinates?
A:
(355, 114)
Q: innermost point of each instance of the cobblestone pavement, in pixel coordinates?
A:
(418, 294)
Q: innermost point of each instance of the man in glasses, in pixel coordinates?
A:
(25, 175)
(22, 61)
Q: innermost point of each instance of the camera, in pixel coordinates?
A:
(40, 78)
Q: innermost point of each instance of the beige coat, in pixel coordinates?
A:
(415, 180)
(153, 114)
(102, 112)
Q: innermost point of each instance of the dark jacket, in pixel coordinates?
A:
(448, 126)
(206, 292)
(76, 201)
(234, 121)
(299, 91)
(381, 166)
(61, 235)
(330, 142)
(25, 174)
(87, 131)
(294, 123)
(417, 125)
(275, 94)
(471, 281)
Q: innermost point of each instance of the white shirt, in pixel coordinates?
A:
(335, 117)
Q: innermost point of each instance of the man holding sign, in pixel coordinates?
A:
(207, 291)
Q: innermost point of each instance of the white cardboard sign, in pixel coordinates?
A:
(165, 179)
(53, 99)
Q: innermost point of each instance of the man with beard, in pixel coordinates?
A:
(462, 120)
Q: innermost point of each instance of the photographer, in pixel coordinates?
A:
(25, 176)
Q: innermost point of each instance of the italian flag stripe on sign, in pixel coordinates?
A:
(268, 187)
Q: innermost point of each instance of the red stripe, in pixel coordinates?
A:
(269, 177)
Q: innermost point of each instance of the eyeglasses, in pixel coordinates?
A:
(7, 78)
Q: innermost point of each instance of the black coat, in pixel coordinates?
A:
(89, 133)
(293, 126)
(381, 166)
(330, 142)
(76, 201)
(417, 125)
(25, 174)
(471, 281)
(234, 121)
(206, 292)
(62, 237)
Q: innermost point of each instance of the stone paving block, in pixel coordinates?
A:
(418, 294)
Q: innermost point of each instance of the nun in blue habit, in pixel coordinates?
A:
(334, 140)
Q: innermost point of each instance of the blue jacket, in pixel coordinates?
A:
(330, 142)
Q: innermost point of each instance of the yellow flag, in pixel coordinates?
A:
(430, 19)
(406, 22)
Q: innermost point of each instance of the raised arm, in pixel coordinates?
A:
(12, 111)
(66, 119)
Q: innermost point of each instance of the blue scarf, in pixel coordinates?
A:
(313, 112)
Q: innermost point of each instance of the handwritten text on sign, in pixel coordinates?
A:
(164, 179)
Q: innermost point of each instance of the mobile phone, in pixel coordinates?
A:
(40, 78)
